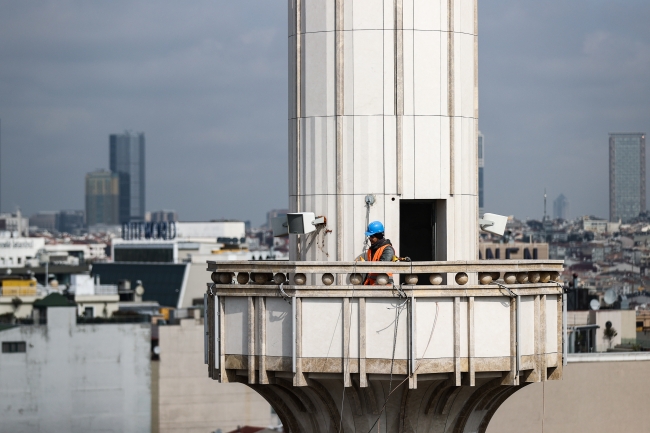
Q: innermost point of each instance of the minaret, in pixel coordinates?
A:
(384, 101)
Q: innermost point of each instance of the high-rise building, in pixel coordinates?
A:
(71, 221)
(102, 198)
(127, 160)
(166, 216)
(481, 164)
(561, 207)
(626, 176)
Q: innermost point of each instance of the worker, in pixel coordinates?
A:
(381, 250)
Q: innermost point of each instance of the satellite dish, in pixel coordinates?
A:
(594, 304)
(610, 297)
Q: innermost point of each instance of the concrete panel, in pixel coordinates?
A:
(426, 74)
(380, 328)
(407, 6)
(236, 322)
(427, 157)
(190, 402)
(594, 397)
(349, 166)
(465, 75)
(428, 14)
(349, 64)
(292, 156)
(466, 16)
(441, 337)
(368, 72)
(464, 328)
(391, 220)
(291, 76)
(551, 324)
(389, 14)
(492, 326)
(320, 154)
(390, 155)
(389, 72)
(367, 15)
(368, 160)
(278, 327)
(408, 157)
(409, 58)
(527, 325)
(351, 243)
(322, 317)
(317, 16)
(318, 74)
(444, 156)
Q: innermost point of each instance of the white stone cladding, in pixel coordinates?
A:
(383, 100)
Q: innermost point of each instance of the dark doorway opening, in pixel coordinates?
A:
(417, 232)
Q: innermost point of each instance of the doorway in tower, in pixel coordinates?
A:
(418, 232)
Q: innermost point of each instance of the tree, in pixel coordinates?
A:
(609, 333)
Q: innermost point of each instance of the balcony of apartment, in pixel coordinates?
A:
(440, 328)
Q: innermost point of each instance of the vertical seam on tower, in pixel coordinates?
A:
(476, 128)
(298, 113)
(338, 35)
(450, 94)
(399, 87)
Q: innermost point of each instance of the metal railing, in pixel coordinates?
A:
(18, 291)
(483, 272)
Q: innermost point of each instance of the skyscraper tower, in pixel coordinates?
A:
(561, 207)
(127, 160)
(626, 176)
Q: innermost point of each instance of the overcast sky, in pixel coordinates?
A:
(207, 83)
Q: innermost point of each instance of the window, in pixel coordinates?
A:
(89, 312)
(14, 347)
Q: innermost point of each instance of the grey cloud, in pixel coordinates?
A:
(207, 83)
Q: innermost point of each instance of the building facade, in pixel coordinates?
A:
(127, 158)
(561, 207)
(102, 198)
(68, 377)
(481, 181)
(166, 216)
(626, 176)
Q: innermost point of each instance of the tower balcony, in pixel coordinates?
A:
(439, 352)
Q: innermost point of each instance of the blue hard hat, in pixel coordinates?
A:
(374, 228)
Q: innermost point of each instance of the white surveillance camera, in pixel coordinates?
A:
(493, 223)
(298, 223)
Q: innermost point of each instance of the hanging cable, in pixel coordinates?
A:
(417, 367)
(354, 271)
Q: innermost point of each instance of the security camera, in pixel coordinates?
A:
(298, 223)
(493, 223)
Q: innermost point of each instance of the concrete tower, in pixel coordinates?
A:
(384, 101)
(383, 126)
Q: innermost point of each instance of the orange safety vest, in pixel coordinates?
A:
(371, 279)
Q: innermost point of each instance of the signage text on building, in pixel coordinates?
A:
(142, 230)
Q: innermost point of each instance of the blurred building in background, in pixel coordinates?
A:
(102, 198)
(127, 159)
(627, 181)
(561, 207)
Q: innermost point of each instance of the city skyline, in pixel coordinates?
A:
(210, 92)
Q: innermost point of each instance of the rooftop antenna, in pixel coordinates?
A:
(544, 205)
